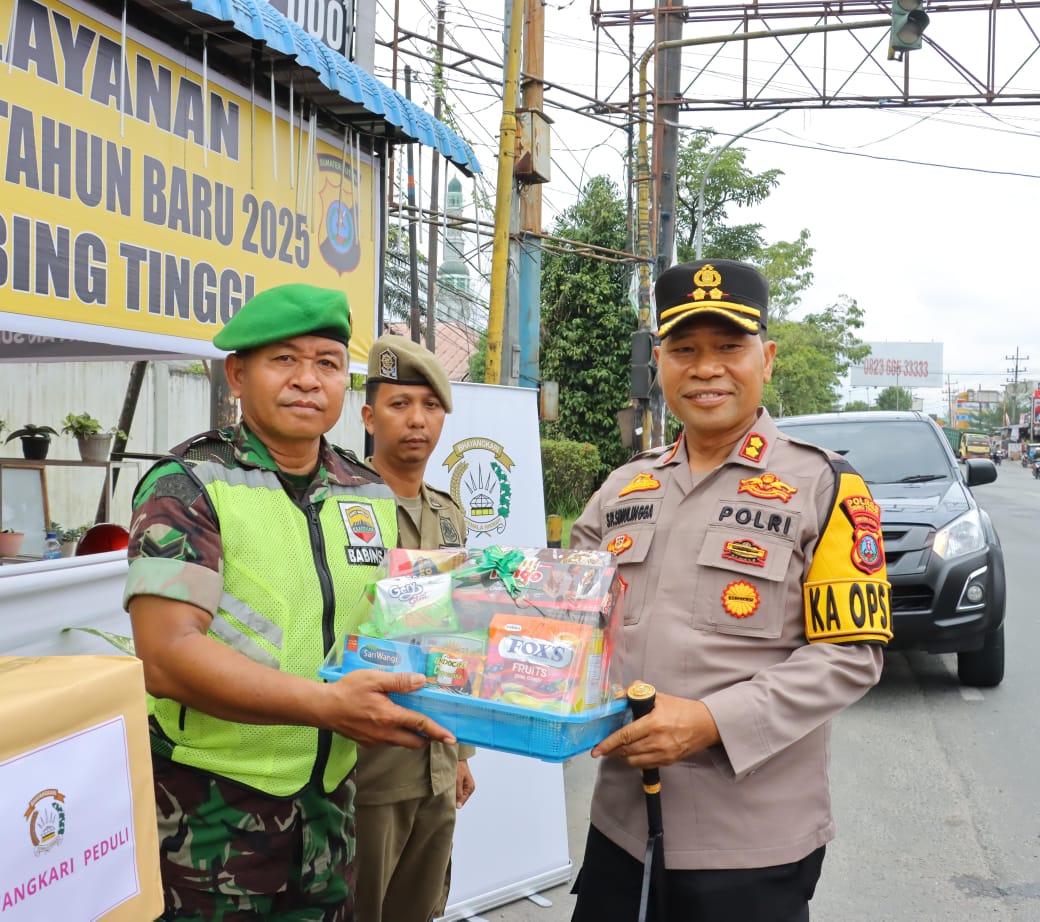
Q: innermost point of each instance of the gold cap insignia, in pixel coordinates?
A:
(388, 364)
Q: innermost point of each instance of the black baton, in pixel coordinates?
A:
(641, 697)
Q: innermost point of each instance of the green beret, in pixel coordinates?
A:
(397, 360)
(284, 312)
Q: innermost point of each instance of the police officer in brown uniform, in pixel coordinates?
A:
(757, 605)
(406, 802)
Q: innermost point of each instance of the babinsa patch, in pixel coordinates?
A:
(865, 516)
(767, 486)
(365, 543)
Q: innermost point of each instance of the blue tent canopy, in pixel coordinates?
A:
(342, 86)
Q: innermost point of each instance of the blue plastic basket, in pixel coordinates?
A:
(509, 728)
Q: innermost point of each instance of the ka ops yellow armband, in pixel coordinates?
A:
(847, 593)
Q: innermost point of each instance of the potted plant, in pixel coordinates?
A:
(95, 443)
(36, 440)
(68, 537)
(10, 542)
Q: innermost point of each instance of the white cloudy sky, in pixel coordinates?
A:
(925, 217)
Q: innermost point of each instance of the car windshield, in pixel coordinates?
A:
(883, 451)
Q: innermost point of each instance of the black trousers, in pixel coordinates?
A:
(609, 881)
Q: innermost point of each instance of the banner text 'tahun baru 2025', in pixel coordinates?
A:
(164, 215)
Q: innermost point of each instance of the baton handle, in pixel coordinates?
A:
(641, 698)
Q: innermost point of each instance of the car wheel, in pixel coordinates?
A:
(983, 668)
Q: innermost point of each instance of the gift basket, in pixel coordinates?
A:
(518, 645)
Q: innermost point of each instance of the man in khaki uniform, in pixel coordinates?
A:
(757, 605)
(406, 801)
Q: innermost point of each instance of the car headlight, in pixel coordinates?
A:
(961, 536)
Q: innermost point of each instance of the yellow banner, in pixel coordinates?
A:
(165, 214)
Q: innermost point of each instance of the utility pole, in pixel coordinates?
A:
(949, 403)
(493, 372)
(413, 247)
(532, 169)
(1014, 372)
(431, 256)
(668, 27)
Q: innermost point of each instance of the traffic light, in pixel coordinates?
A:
(642, 364)
(909, 20)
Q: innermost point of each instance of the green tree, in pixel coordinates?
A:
(856, 406)
(787, 264)
(397, 277)
(812, 356)
(478, 360)
(894, 398)
(730, 183)
(587, 323)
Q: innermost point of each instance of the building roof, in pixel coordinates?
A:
(455, 343)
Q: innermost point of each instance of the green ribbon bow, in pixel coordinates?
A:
(497, 562)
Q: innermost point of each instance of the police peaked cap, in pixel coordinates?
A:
(724, 288)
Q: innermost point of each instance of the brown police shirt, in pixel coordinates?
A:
(758, 588)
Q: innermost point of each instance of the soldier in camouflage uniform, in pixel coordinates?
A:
(248, 548)
(406, 801)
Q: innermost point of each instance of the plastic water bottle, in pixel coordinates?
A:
(51, 547)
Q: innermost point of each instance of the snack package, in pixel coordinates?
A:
(401, 561)
(454, 662)
(408, 605)
(545, 664)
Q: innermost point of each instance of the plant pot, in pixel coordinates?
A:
(11, 543)
(68, 548)
(34, 449)
(95, 447)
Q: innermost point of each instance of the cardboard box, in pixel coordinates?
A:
(78, 835)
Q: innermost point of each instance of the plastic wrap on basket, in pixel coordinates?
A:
(518, 645)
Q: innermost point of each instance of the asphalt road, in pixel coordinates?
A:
(936, 787)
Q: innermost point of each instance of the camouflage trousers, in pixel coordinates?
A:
(232, 854)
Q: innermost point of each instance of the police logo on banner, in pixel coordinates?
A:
(364, 537)
(340, 245)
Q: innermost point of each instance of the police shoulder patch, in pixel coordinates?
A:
(846, 595)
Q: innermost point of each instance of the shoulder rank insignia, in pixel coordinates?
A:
(767, 486)
(619, 544)
(746, 552)
(754, 445)
(740, 599)
(641, 483)
(865, 516)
